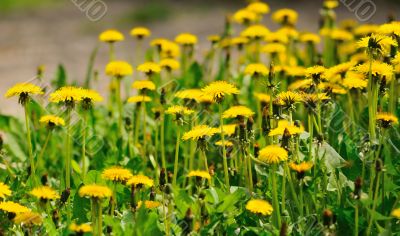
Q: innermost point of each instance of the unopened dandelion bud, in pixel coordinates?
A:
(250, 123)
(152, 194)
(327, 217)
(162, 178)
(55, 216)
(283, 230)
(64, 196)
(170, 176)
(188, 222)
(256, 149)
(1, 142)
(132, 199)
(378, 165)
(211, 169)
(242, 132)
(162, 96)
(43, 179)
(285, 139)
(357, 188)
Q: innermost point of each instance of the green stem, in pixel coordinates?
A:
(84, 124)
(28, 137)
(137, 121)
(99, 219)
(46, 142)
(144, 127)
(225, 161)
(275, 200)
(250, 173)
(205, 159)
(68, 161)
(371, 219)
(178, 139)
(112, 52)
(356, 220)
(162, 137)
(119, 104)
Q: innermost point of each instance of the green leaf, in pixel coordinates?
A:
(229, 201)
(61, 77)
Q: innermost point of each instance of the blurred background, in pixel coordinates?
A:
(53, 32)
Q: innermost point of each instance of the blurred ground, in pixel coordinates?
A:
(58, 32)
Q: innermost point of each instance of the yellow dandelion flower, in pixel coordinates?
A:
(67, 94)
(170, 49)
(273, 154)
(255, 32)
(258, 7)
(301, 167)
(149, 68)
(119, 69)
(239, 41)
(310, 38)
(386, 119)
(140, 32)
(139, 180)
(390, 28)
(289, 31)
(204, 98)
(82, 228)
(28, 218)
(300, 84)
(199, 132)
(228, 130)
(359, 58)
(214, 38)
(288, 98)
(262, 97)
(143, 84)
(90, 95)
(348, 24)
(284, 125)
(44, 193)
(139, 99)
(285, 16)
(331, 4)
(258, 206)
(237, 111)
(219, 89)
(354, 80)
(158, 42)
(170, 64)
(200, 174)
(332, 88)
(95, 191)
(396, 59)
(296, 71)
(4, 190)
(244, 16)
(277, 37)
(227, 143)
(186, 39)
(396, 213)
(189, 94)
(312, 99)
(256, 69)
(23, 90)
(341, 35)
(274, 48)
(364, 30)
(149, 204)
(316, 72)
(339, 69)
(117, 174)
(111, 36)
(378, 69)
(181, 110)
(377, 43)
(13, 207)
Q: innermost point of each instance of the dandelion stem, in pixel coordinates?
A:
(275, 197)
(225, 161)
(162, 142)
(356, 219)
(119, 104)
(46, 142)
(28, 137)
(144, 126)
(84, 124)
(371, 219)
(137, 121)
(178, 139)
